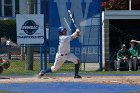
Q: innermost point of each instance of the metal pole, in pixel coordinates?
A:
(41, 61)
(2, 7)
(101, 67)
(30, 51)
(29, 58)
(23, 52)
(130, 7)
(45, 40)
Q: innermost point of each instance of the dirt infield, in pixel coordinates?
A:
(90, 79)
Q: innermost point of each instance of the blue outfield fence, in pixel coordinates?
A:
(87, 15)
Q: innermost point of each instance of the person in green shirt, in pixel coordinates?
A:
(123, 55)
(135, 52)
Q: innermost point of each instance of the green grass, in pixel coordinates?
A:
(18, 68)
(7, 92)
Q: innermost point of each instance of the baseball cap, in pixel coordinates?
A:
(132, 41)
(123, 45)
(61, 29)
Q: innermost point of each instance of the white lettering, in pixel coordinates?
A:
(52, 51)
(29, 27)
(72, 49)
(78, 51)
(84, 50)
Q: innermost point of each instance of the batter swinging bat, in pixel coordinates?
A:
(72, 19)
(67, 24)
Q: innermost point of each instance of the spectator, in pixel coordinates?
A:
(123, 55)
(135, 52)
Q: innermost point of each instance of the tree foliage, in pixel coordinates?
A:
(116, 4)
(8, 29)
(135, 4)
(120, 4)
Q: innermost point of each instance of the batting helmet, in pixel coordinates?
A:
(61, 29)
(123, 46)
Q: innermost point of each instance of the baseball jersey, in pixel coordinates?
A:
(138, 47)
(133, 51)
(120, 53)
(64, 44)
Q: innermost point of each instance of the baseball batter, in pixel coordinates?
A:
(63, 53)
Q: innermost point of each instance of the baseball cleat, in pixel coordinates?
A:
(41, 74)
(77, 76)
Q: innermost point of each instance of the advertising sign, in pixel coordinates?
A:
(30, 29)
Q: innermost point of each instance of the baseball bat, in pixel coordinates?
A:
(67, 24)
(72, 19)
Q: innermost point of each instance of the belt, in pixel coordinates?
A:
(63, 54)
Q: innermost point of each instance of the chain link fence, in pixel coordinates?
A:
(87, 16)
(23, 59)
(29, 59)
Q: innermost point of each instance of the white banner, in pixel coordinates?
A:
(30, 28)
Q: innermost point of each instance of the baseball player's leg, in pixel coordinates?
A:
(59, 60)
(138, 59)
(134, 61)
(71, 57)
(42, 72)
(118, 64)
(77, 66)
(130, 64)
(58, 63)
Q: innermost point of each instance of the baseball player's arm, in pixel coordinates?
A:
(135, 41)
(119, 56)
(76, 34)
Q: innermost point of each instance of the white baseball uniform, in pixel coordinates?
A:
(63, 53)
